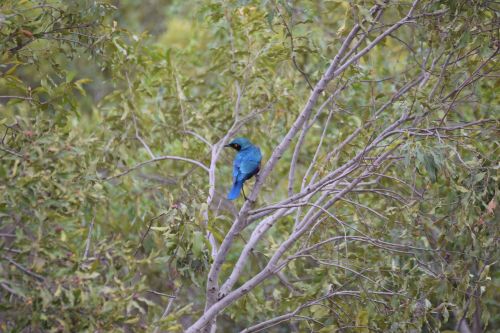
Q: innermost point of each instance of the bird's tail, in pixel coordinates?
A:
(235, 190)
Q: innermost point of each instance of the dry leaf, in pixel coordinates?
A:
(26, 33)
(491, 206)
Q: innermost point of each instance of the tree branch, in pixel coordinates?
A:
(157, 159)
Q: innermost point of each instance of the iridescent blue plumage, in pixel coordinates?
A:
(246, 164)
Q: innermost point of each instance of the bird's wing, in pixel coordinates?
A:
(250, 161)
(236, 166)
(249, 166)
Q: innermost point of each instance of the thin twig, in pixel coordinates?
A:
(18, 97)
(157, 159)
(138, 137)
(24, 269)
(89, 237)
(147, 231)
(10, 151)
(168, 308)
(292, 49)
(160, 294)
(471, 79)
(12, 291)
(196, 135)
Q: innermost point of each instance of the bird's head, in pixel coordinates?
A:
(239, 144)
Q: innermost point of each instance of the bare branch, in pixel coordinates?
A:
(160, 294)
(168, 308)
(199, 137)
(147, 231)
(89, 237)
(138, 137)
(12, 291)
(292, 48)
(407, 19)
(10, 151)
(295, 156)
(24, 269)
(18, 97)
(157, 159)
(471, 79)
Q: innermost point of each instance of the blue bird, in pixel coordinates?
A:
(246, 164)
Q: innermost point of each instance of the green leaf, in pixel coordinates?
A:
(362, 321)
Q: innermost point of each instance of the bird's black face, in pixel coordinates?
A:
(233, 145)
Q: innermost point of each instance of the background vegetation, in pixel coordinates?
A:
(113, 187)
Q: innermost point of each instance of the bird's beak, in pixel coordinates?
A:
(229, 146)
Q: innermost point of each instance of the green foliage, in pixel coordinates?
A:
(84, 248)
